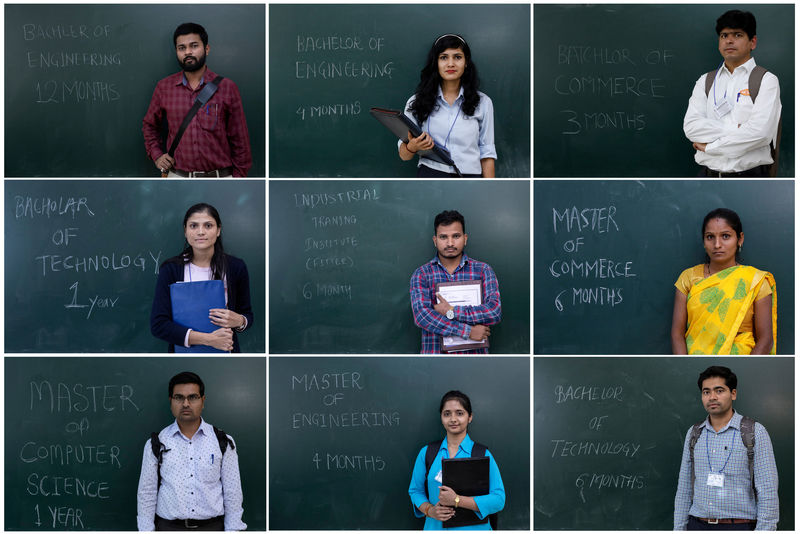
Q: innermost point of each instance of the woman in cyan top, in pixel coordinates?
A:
(451, 112)
(203, 258)
(438, 503)
(722, 306)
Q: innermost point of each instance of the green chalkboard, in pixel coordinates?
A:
(79, 79)
(643, 406)
(345, 432)
(647, 233)
(76, 430)
(613, 83)
(82, 258)
(329, 64)
(342, 255)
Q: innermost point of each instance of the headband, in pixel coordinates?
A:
(449, 35)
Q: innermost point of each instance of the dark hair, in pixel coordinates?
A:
(449, 217)
(462, 399)
(187, 377)
(730, 217)
(219, 262)
(721, 372)
(190, 27)
(429, 80)
(738, 20)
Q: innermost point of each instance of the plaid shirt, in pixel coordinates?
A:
(215, 138)
(735, 498)
(434, 324)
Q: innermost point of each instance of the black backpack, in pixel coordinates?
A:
(159, 448)
(478, 451)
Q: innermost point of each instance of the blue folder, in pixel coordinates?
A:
(190, 304)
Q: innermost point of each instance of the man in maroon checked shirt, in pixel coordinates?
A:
(216, 142)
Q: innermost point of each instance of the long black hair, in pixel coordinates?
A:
(730, 217)
(219, 263)
(429, 79)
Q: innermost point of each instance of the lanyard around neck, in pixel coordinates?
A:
(730, 451)
(446, 139)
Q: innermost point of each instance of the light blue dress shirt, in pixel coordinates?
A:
(487, 504)
(196, 481)
(469, 138)
(735, 498)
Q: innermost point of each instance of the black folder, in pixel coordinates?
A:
(468, 477)
(397, 123)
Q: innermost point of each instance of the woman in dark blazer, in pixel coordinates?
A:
(203, 258)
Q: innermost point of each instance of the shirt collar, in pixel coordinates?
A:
(735, 422)
(465, 445)
(203, 429)
(747, 66)
(458, 98)
(180, 77)
(464, 260)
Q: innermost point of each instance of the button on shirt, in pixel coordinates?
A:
(469, 138)
(735, 499)
(216, 137)
(196, 481)
(488, 504)
(734, 148)
(433, 323)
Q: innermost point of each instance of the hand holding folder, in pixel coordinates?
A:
(468, 477)
(190, 304)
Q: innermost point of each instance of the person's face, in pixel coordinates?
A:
(191, 52)
(189, 406)
(735, 46)
(720, 241)
(450, 240)
(201, 231)
(452, 64)
(455, 418)
(717, 397)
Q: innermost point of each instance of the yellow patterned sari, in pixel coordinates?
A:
(716, 307)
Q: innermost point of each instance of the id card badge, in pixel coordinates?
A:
(723, 108)
(716, 480)
(438, 477)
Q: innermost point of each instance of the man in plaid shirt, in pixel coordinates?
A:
(720, 494)
(435, 316)
(216, 142)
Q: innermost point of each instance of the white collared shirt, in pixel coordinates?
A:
(740, 139)
(196, 481)
(469, 138)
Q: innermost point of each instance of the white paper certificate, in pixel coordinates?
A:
(467, 293)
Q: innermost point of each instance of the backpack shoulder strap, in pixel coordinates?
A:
(697, 430)
(430, 456)
(754, 81)
(479, 451)
(748, 430)
(710, 75)
(223, 440)
(202, 97)
(158, 449)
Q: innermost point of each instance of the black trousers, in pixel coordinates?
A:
(214, 524)
(423, 171)
(696, 524)
(762, 171)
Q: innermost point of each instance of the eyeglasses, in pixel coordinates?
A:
(194, 397)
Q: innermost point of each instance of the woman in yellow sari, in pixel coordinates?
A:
(722, 306)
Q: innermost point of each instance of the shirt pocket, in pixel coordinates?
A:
(743, 108)
(210, 472)
(210, 115)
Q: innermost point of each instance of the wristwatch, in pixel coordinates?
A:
(450, 314)
(457, 500)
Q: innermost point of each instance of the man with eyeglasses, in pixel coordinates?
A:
(734, 113)
(728, 478)
(190, 470)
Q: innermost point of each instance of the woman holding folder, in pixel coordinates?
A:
(452, 113)
(203, 258)
(437, 502)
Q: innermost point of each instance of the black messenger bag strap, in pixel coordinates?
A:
(205, 94)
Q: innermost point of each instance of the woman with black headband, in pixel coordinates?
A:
(452, 113)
